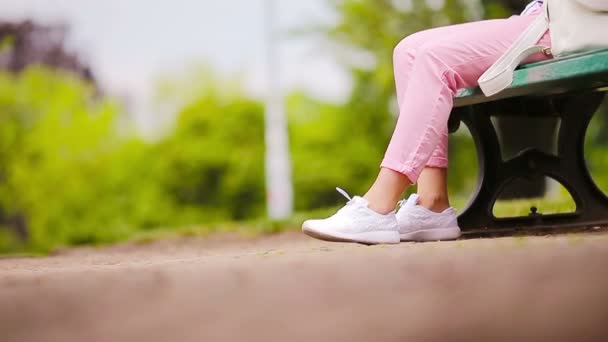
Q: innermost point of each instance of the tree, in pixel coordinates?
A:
(27, 43)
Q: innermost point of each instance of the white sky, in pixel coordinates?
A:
(129, 43)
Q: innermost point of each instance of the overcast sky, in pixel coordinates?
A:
(129, 43)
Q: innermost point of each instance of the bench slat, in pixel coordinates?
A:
(582, 71)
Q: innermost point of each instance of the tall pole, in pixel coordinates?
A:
(279, 190)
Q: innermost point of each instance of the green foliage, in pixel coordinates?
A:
(328, 150)
(6, 43)
(214, 159)
(74, 172)
(595, 147)
(64, 167)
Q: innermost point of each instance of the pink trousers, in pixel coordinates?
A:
(430, 67)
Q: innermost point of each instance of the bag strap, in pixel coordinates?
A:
(500, 75)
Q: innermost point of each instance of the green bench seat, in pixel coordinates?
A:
(569, 89)
(581, 71)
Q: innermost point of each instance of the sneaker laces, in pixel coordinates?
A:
(355, 201)
(345, 194)
(410, 202)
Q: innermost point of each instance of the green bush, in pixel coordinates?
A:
(64, 165)
(73, 169)
(213, 161)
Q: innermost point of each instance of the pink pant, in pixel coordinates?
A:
(430, 66)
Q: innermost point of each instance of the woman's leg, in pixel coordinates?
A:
(432, 183)
(432, 65)
(403, 60)
(433, 189)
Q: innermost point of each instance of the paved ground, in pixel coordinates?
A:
(290, 288)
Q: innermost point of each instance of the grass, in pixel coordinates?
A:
(251, 228)
(523, 207)
(254, 228)
(12, 247)
(259, 227)
(512, 208)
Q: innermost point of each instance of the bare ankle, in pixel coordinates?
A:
(434, 202)
(382, 208)
(386, 191)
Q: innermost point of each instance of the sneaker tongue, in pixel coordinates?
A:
(360, 201)
(413, 200)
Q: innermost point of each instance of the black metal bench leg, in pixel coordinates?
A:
(478, 214)
(576, 112)
(569, 168)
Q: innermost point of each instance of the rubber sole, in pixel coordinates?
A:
(438, 234)
(368, 238)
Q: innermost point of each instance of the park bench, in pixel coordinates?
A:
(568, 90)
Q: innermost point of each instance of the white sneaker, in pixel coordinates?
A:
(417, 223)
(355, 222)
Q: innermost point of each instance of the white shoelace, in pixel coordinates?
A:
(345, 194)
(411, 201)
(404, 202)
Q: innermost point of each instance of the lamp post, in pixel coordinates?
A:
(279, 190)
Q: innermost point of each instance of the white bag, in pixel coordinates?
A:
(575, 25)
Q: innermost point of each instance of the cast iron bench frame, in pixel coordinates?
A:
(570, 88)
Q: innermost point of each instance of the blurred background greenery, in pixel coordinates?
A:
(72, 173)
